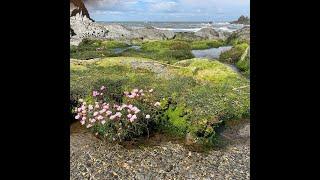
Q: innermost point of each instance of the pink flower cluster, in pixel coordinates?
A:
(102, 112)
(134, 93)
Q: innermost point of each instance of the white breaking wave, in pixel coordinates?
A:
(180, 29)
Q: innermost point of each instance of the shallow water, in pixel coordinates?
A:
(120, 50)
(212, 53)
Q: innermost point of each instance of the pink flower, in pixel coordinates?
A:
(141, 90)
(130, 106)
(83, 107)
(133, 118)
(92, 120)
(135, 90)
(131, 96)
(147, 116)
(157, 104)
(82, 122)
(100, 117)
(97, 106)
(129, 116)
(112, 117)
(84, 111)
(84, 118)
(101, 94)
(77, 116)
(108, 113)
(137, 111)
(103, 122)
(102, 111)
(151, 90)
(95, 113)
(90, 107)
(79, 109)
(89, 125)
(95, 93)
(106, 107)
(118, 114)
(102, 88)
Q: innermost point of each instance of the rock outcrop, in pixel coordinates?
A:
(82, 26)
(242, 20)
(208, 33)
(150, 33)
(242, 34)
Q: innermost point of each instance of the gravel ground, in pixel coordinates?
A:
(93, 159)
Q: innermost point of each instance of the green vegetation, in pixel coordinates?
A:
(244, 66)
(169, 51)
(233, 56)
(196, 95)
(89, 49)
(206, 44)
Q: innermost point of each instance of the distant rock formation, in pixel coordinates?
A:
(83, 26)
(242, 20)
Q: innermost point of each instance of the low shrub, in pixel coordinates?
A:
(234, 54)
(118, 122)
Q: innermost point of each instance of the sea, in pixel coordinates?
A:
(181, 26)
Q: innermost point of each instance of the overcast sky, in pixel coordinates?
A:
(167, 10)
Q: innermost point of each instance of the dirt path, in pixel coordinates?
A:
(93, 159)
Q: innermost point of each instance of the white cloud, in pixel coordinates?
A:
(168, 6)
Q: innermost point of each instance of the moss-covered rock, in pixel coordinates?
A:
(197, 95)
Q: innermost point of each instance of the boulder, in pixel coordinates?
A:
(187, 36)
(151, 33)
(208, 33)
(242, 34)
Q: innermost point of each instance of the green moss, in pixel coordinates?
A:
(234, 54)
(113, 44)
(169, 51)
(195, 100)
(206, 44)
(92, 48)
(244, 66)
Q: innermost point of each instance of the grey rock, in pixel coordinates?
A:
(208, 33)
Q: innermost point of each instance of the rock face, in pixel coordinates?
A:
(208, 33)
(242, 34)
(78, 7)
(242, 20)
(187, 36)
(82, 26)
(150, 33)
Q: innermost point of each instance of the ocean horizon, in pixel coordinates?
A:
(179, 26)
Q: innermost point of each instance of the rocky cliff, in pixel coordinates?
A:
(81, 25)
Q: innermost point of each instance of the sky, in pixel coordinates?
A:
(167, 10)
